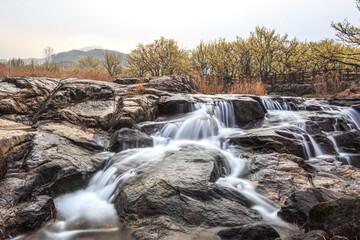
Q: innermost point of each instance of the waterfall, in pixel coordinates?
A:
(316, 146)
(207, 125)
(346, 156)
(224, 111)
(354, 115)
(274, 105)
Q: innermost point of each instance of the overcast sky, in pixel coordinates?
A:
(27, 27)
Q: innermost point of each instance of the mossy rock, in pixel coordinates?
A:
(319, 212)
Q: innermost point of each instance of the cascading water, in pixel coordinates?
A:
(205, 126)
(224, 112)
(273, 105)
(298, 119)
(353, 115)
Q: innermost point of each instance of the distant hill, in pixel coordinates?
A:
(76, 55)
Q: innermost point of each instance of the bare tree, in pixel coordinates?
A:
(113, 63)
(48, 52)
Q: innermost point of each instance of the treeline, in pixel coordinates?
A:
(262, 55)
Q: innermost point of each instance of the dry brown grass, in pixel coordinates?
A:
(207, 87)
(253, 86)
(328, 84)
(246, 86)
(6, 71)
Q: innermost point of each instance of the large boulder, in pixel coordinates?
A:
(82, 102)
(340, 217)
(182, 187)
(177, 103)
(247, 110)
(297, 206)
(174, 84)
(54, 165)
(25, 95)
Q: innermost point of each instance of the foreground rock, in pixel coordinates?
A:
(297, 206)
(53, 133)
(25, 95)
(28, 216)
(250, 232)
(52, 165)
(57, 148)
(182, 188)
(340, 217)
(269, 141)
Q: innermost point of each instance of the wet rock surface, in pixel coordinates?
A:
(297, 206)
(249, 232)
(129, 138)
(296, 153)
(181, 186)
(336, 218)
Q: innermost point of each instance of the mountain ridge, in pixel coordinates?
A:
(75, 55)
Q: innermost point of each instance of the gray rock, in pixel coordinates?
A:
(126, 138)
(279, 175)
(14, 143)
(182, 187)
(28, 216)
(340, 217)
(247, 110)
(249, 232)
(132, 80)
(82, 102)
(178, 103)
(297, 206)
(268, 142)
(24, 95)
(174, 84)
(53, 165)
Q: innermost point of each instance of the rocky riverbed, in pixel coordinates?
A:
(83, 159)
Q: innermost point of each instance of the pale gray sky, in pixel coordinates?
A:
(28, 26)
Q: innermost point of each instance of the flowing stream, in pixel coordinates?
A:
(91, 210)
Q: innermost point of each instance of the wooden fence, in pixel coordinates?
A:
(308, 77)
